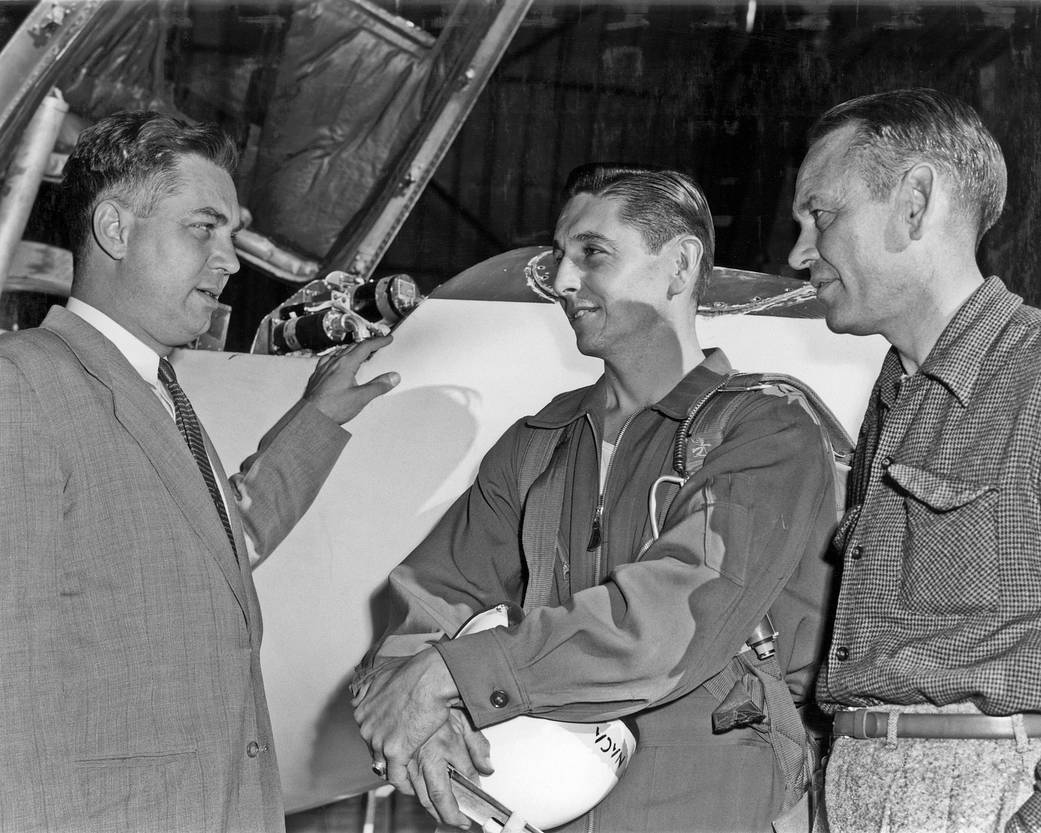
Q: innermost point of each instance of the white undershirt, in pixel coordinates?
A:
(606, 452)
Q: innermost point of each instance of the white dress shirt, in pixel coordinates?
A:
(145, 361)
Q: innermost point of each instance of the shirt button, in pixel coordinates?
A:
(499, 698)
(842, 653)
(856, 553)
(253, 749)
(887, 461)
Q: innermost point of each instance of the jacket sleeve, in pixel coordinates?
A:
(761, 507)
(277, 484)
(31, 540)
(471, 560)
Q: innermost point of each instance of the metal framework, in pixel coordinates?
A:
(483, 41)
(58, 34)
(54, 35)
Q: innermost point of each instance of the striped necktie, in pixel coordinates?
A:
(188, 423)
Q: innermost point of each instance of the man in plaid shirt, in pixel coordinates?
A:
(932, 672)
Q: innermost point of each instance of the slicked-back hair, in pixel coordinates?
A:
(133, 157)
(658, 202)
(898, 129)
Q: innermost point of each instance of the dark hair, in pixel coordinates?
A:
(898, 128)
(132, 157)
(659, 202)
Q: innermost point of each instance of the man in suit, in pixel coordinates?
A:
(131, 695)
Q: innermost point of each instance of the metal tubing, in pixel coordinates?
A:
(24, 175)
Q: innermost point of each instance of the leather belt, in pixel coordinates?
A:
(864, 723)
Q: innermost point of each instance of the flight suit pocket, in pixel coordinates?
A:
(710, 534)
(161, 792)
(561, 573)
(950, 558)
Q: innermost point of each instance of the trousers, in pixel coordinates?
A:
(926, 785)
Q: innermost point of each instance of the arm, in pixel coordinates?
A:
(471, 560)
(275, 486)
(31, 537)
(657, 628)
(1027, 818)
(404, 697)
(660, 627)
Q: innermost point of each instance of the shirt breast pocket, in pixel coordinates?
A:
(950, 558)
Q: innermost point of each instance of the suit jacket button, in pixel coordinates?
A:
(499, 698)
(253, 749)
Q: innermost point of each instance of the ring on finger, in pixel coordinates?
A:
(380, 768)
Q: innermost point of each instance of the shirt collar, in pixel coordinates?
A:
(958, 354)
(142, 357)
(890, 377)
(570, 406)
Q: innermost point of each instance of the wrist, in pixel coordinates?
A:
(439, 678)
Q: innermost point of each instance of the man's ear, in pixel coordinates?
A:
(110, 224)
(689, 251)
(917, 198)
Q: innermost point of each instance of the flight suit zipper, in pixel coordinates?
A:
(596, 531)
(596, 536)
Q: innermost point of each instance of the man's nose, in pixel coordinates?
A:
(804, 252)
(567, 280)
(225, 257)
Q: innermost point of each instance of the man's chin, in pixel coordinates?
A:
(187, 334)
(836, 324)
(588, 348)
(845, 325)
(835, 319)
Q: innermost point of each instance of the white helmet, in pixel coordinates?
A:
(550, 771)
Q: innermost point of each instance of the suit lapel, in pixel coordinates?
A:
(139, 411)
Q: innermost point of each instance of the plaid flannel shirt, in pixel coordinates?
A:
(940, 598)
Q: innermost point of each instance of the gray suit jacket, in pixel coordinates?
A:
(131, 696)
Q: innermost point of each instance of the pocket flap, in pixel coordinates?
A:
(936, 491)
